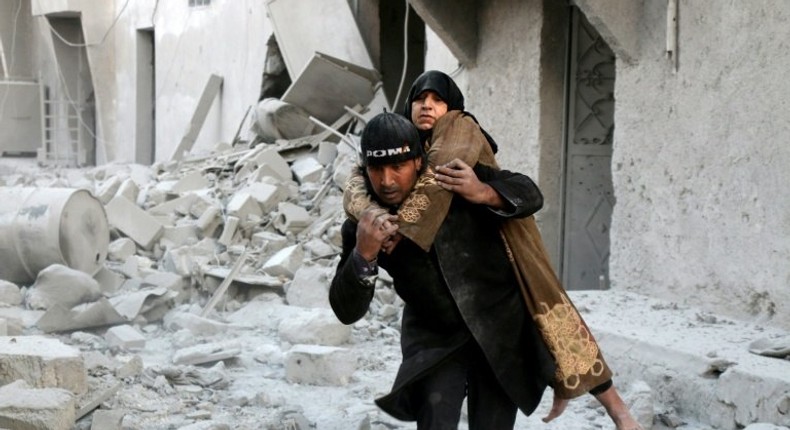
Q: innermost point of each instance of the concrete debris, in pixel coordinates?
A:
(126, 337)
(314, 327)
(319, 365)
(42, 362)
(108, 419)
(58, 284)
(9, 293)
(207, 353)
(170, 333)
(28, 408)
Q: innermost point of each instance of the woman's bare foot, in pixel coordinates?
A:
(617, 410)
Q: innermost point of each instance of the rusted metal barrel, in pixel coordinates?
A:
(44, 226)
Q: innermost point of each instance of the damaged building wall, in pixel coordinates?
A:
(702, 213)
(515, 90)
(191, 43)
(95, 47)
(185, 53)
(697, 165)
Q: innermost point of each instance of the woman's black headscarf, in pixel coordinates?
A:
(445, 87)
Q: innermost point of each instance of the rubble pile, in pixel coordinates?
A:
(211, 308)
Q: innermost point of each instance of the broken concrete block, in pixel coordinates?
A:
(104, 419)
(327, 152)
(24, 407)
(273, 159)
(121, 249)
(190, 182)
(169, 280)
(100, 389)
(231, 224)
(269, 242)
(125, 336)
(319, 248)
(291, 218)
(207, 353)
(307, 169)
(108, 189)
(275, 119)
(314, 327)
(42, 362)
(267, 195)
(58, 284)
(109, 281)
(284, 262)
(179, 205)
(310, 287)
(179, 235)
(128, 366)
(133, 222)
(203, 201)
(209, 221)
(242, 205)
(129, 190)
(196, 324)
(186, 259)
(319, 365)
(262, 173)
(10, 293)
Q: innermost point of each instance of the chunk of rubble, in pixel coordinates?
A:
(121, 249)
(42, 362)
(316, 327)
(284, 262)
(10, 293)
(310, 287)
(108, 419)
(125, 336)
(25, 407)
(307, 169)
(133, 222)
(291, 218)
(319, 365)
(207, 353)
(97, 314)
(58, 284)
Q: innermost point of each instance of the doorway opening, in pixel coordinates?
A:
(588, 196)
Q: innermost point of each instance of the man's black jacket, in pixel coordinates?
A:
(463, 289)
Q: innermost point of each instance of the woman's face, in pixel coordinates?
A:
(426, 109)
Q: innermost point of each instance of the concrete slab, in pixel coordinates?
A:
(133, 222)
(319, 365)
(125, 336)
(29, 408)
(42, 362)
(697, 363)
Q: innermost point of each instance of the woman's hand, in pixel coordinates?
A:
(456, 176)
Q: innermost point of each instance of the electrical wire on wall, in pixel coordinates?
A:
(11, 63)
(405, 55)
(70, 100)
(83, 45)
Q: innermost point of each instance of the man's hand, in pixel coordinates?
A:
(376, 226)
(458, 177)
(557, 408)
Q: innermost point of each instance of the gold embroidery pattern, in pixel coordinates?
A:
(417, 202)
(355, 196)
(572, 345)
